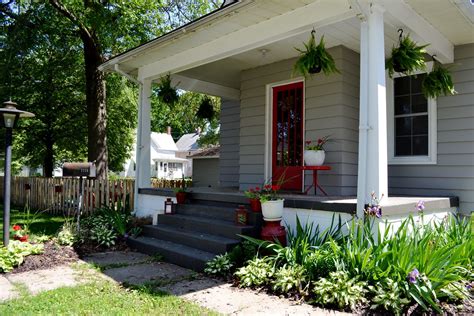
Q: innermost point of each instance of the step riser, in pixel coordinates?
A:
(169, 256)
(227, 214)
(206, 245)
(209, 228)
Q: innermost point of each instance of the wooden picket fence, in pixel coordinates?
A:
(61, 195)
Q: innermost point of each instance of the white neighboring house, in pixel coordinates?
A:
(187, 145)
(164, 162)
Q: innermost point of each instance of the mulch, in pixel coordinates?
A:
(53, 255)
(56, 255)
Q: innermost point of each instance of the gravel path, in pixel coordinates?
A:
(135, 268)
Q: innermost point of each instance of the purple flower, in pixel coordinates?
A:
(413, 275)
(420, 206)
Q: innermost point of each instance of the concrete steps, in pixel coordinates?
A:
(196, 233)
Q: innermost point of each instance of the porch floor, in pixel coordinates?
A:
(343, 204)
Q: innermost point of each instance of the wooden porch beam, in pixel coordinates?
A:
(316, 14)
(196, 85)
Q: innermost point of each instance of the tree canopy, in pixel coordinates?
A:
(49, 54)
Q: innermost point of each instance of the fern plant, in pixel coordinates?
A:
(314, 59)
(407, 58)
(438, 82)
(166, 92)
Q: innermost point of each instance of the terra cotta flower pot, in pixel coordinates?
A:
(180, 197)
(255, 205)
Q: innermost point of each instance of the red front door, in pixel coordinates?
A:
(287, 147)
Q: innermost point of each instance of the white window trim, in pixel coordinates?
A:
(431, 158)
(269, 121)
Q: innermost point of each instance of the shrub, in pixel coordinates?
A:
(220, 265)
(242, 253)
(257, 272)
(15, 253)
(339, 290)
(67, 234)
(320, 263)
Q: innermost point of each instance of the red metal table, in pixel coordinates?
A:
(315, 184)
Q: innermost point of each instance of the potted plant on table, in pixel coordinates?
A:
(20, 233)
(314, 153)
(272, 203)
(314, 59)
(253, 194)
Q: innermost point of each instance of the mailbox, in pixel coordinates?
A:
(79, 169)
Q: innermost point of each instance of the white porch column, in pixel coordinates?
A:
(143, 159)
(373, 172)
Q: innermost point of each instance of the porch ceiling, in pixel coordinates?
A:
(441, 22)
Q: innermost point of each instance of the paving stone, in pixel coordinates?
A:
(7, 290)
(142, 273)
(231, 300)
(116, 257)
(44, 280)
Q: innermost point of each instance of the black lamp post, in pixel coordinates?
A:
(9, 116)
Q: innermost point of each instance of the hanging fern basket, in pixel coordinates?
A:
(166, 92)
(438, 82)
(407, 58)
(206, 110)
(314, 59)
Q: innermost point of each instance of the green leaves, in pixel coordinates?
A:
(438, 82)
(220, 265)
(407, 58)
(314, 59)
(14, 254)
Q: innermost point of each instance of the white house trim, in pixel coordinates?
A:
(316, 14)
(269, 121)
(426, 33)
(196, 85)
(431, 159)
(373, 125)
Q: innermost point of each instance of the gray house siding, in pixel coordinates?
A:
(229, 140)
(331, 108)
(454, 172)
(206, 172)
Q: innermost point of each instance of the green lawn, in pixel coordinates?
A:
(101, 298)
(41, 223)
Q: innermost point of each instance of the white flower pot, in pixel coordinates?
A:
(314, 157)
(272, 210)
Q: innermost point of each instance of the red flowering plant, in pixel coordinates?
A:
(253, 193)
(270, 193)
(20, 233)
(319, 144)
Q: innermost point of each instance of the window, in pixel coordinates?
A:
(411, 122)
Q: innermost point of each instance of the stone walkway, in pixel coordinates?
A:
(135, 268)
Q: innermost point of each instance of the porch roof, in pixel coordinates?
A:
(209, 54)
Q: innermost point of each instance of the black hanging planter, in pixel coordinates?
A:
(167, 93)
(206, 109)
(316, 69)
(407, 58)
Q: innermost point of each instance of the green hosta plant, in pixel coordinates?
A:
(15, 253)
(220, 265)
(67, 234)
(339, 290)
(289, 278)
(438, 82)
(388, 295)
(407, 58)
(257, 272)
(314, 59)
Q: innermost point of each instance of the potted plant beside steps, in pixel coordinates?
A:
(314, 153)
(272, 204)
(253, 194)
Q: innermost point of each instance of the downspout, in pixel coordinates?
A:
(138, 135)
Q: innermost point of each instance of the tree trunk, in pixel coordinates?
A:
(48, 161)
(96, 108)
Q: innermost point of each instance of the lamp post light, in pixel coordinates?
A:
(9, 116)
